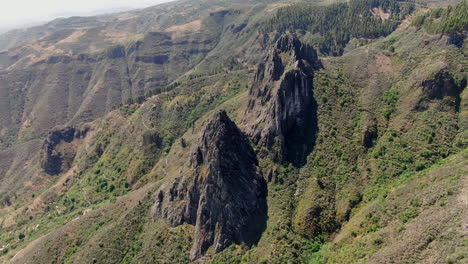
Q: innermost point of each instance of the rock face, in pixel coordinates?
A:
(441, 86)
(281, 103)
(59, 148)
(370, 134)
(222, 193)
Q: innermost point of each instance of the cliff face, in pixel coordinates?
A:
(59, 148)
(281, 102)
(442, 85)
(222, 193)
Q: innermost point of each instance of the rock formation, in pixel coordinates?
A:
(441, 86)
(59, 148)
(222, 193)
(370, 132)
(281, 102)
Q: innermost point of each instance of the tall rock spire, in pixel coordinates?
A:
(222, 194)
(281, 104)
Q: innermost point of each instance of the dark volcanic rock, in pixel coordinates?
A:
(59, 148)
(281, 103)
(152, 59)
(59, 59)
(370, 134)
(222, 193)
(117, 52)
(442, 86)
(457, 39)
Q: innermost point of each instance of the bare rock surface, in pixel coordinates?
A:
(59, 149)
(221, 193)
(281, 102)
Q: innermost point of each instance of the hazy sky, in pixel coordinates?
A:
(19, 12)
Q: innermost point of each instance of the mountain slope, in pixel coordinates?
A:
(262, 148)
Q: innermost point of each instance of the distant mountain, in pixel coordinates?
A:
(35, 22)
(6, 28)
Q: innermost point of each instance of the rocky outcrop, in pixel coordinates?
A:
(281, 103)
(59, 149)
(370, 131)
(457, 39)
(116, 52)
(441, 86)
(222, 192)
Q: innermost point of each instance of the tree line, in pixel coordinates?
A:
(333, 26)
(448, 21)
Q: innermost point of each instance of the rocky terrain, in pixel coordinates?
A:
(237, 132)
(281, 102)
(223, 194)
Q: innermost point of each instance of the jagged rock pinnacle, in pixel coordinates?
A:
(281, 99)
(223, 196)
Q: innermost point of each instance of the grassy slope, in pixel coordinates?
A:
(408, 142)
(419, 219)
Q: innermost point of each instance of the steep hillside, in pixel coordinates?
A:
(86, 66)
(57, 73)
(238, 132)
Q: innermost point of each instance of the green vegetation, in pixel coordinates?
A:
(335, 25)
(390, 100)
(450, 20)
(405, 213)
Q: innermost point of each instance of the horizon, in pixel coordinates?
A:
(14, 15)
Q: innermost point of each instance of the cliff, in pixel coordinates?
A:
(281, 101)
(221, 193)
